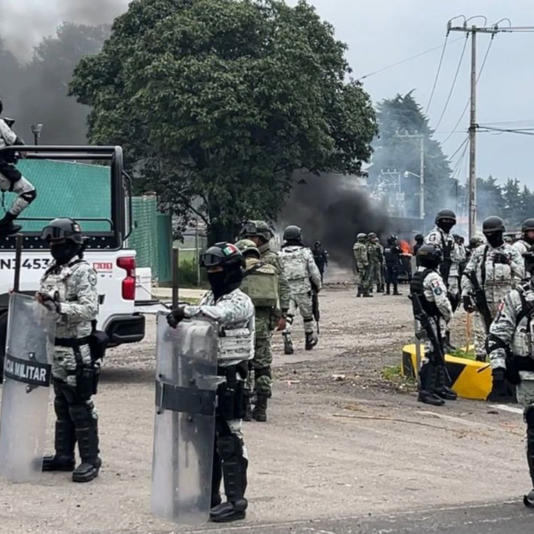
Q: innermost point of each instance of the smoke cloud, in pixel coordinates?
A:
(23, 24)
(333, 209)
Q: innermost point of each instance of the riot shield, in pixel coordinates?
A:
(184, 426)
(27, 370)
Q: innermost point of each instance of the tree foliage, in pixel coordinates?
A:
(401, 116)
(218, 101)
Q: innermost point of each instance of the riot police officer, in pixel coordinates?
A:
(232, 310)
(303, 277)
(432, 311)
(492, 270)
(68, 289)
(11, 179)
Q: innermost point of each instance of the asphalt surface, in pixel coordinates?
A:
(501, 518)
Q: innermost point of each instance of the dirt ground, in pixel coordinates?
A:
(340, 441)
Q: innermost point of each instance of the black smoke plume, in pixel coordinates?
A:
(333, 209)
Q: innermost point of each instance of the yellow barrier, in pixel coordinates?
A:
(470, 379)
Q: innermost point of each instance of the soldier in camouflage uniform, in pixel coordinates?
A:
(497, 267)
(525, 245)
(302, 273)
(68, 289)
(511, 354)
(450, 265)
(375, 252)
(361, 262)
(261, 285)
(260, 234)
(428, 285)
(232, 310)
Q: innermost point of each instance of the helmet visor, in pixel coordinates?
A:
(52, 233)
(249, 229)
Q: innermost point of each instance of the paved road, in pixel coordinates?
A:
(503, 518)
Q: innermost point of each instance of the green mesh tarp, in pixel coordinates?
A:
(66, 189)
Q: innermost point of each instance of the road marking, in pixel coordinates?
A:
(506, 408)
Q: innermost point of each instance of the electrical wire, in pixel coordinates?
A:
(464, 142)
(469, 99)
(405, 60)
(437, 74)
(453, 84)
(522, 131)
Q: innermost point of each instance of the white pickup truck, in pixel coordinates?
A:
(97, 195)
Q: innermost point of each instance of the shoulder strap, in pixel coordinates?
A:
(253, 269)
(527, 308)
(483, 267)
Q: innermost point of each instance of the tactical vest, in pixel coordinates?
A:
(295, 264)
(236, 344)
(417, 287)
(260, 283)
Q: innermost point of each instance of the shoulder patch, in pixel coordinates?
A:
(92, 278)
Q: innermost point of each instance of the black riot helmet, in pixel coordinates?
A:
(293, 233)
(493, 228)
(65, 238)
(419, 238)
(224, 263)
(393, 239)
(445, 219)
(429, 256)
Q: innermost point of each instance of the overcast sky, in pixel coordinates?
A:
(379, 33)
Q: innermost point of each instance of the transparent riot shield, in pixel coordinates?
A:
(27, 370)
(184, 427)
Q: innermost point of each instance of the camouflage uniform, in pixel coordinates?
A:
(361, 260)
(446, 243)
(266, 321)
(375, 253)
(233, 310)
(510, 333)
(300, 269)
(72, 287)
(495, 279)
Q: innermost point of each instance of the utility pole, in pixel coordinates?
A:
(421, 138)
(472, 31)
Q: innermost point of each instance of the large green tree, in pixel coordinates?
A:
(217, 102)
(399, 118)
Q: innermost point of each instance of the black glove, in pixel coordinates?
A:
(177, 315)
(51, 303)
(499, 257)
(468, 304)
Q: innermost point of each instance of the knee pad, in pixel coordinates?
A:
(307, 319)
(262, 372)
(29, 196)
(229, 447)
(81, 414)
(529, 417)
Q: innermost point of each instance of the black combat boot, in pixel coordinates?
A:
(65, 441)
(234, 469)
(528, 499)
(6, 225)
(396, 289)
(248, 408)
(380, 288)
(366, 293)
(288, 343)
(428, 377)
(87, 438)
(260, 409)
(443, 390)
(388, 289)
(311, 340)
(360, 291)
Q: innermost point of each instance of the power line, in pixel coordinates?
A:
(453, 84)
(462, 144)
(437, 74)
(522, 131)
(469, 100)
(405, 60)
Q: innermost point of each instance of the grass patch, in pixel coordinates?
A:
(463, 353)
(393, 375)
